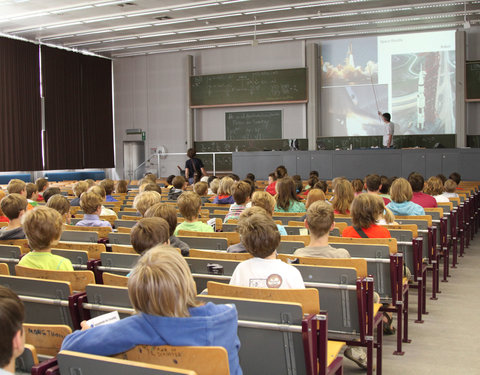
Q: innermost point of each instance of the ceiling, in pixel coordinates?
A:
(135, 27)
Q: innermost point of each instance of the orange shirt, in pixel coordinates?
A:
(374, 231)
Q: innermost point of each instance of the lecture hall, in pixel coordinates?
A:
(239, 187)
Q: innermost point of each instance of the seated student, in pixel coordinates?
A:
(168, 212)
(179, 186)
(287, 200)
(169, 181)
(97, 189)
(210, 179)
(224, 193)
(241, 194)
(79, 188)
(152, 187)
(434, 187)
(342, 196)
(310, 184)
(267, 202)
(60, 204)
(417, 182)
(122, 187)
(3, 218)
(201, 188)
(91, 204)
(42, 185)
(50, 192)
(261, 238)
(163, 294)
(14, 207)
(145, 200)
(280, 172)
(240, 247)
(357, 185)
(148, 233)
(271, 182)
(457, 178)
(213, 187)
(450, 189)
(32, 194)
(385, 184)
(366, 210)
(189, 204)
(320, 221)
(373, 185)
(401, 204)
(297, 180)
(43, 227)
(12, 336)
(251, 177)
(108, 185)
(16, 186)
(322, 185)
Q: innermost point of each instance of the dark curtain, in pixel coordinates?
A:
(97, 112)
(20, 106)
(78, 110)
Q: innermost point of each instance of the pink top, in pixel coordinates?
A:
(424, 200)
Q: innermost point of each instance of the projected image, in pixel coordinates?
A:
(348, 110)
(423, 100)
(349, 62)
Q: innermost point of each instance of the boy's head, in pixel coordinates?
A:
(179, 182)
(145, 200)
(12, 338)
(191, 153)
(166, 212)
(189, 204)
(91, 203)
(50, 192)
(201, 188)
(32, 191)
(108, 185)
(150, 177)
(148, 233)
(99, 190)
(416, 181)
(366, 209)
(455, 177)
(314, 173)
(386, 116)
(434, 186)
(320, 218)
(79, 188)
(42, 184)
(13, 205)
(241, 192)
(401, 190)
(153, 187)
(161, 284)
(16, 186)
(170, 179)
(264, 200)
(42, 227)
(450, 186)
(90, 182)
(61, 204)
(259, 234)
(373, 183)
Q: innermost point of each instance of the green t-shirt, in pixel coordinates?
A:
(196, 226)
(294, 207)
(46, 261)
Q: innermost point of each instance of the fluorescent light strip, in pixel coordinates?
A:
(148, 12)
(180, 41)
(83, 44)
(346, 25)
(285, 20)
(195, 6)
(26, 16)
(103, 19)
(155, 35)
(217, 37)
(275, 40)
(235, 26)
(233, 44)
(196, 30)
(170, 22)
(58, 37)
(267, 10)
(317, 4)
(131, 27)
(63, 25)
(66, 10)
(112, 3)
(94, 32)
(108, 49)
(259, 33)
(143, 45)
(219, 16)
(118, 39)
(301, 29)
(233, 2)
(197, 47)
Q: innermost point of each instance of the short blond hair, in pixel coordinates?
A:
(13, 204)
(320, 217)
(214, 185)
(145, 200)
(42, 227)
(59, 203)
(225, 187)
(108, 185)
(161, 284)
(201, 188)
(79, 188)
(264, 200)
(90, 201)
(189, 204)
(401, 190)
(148, 233)
(433, 186)
(16, 186)
(450, 186)
(99, 190)
(259, 234)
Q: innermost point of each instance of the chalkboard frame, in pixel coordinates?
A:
(249, 103)
(467, 65)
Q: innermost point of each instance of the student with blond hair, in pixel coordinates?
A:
(267, 202)
(61, 204)
(201, 188)
(163, 294)
(43, 227)
(224, 193)
(189, 204)
(97, 189)
(450, 189)
(16, 186)
(434, 187)
(79, 188)
(401, 194)
(91, 204)
(145, 200)
(343, 196)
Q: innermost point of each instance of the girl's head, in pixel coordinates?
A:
(264, 200)
(366, 210)
(161, 284)
(343, 196)
(434, 186)
(280, 172)
(314, 195)
(225, 187)
(285, 192)
(357, 185)
(401, 190)
(122, 187)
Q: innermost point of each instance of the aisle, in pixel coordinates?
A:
(449, 340)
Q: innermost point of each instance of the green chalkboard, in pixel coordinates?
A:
(253, 125)
(473, 80)
(264, 87)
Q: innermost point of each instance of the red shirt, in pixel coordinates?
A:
(271, 188)
(386, 201)
(4, 219)
(424, 200)
(374, 231)
(339, 213)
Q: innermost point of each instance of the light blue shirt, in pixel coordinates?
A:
(407, 208)
(90, 220)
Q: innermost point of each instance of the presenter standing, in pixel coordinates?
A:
(194, 169)
(388, 131)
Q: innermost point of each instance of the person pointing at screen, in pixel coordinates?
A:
(388, 131)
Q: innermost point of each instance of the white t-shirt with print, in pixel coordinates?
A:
(267, 273)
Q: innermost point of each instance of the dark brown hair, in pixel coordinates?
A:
(12, 314)
(286, 192)
(149, 232)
